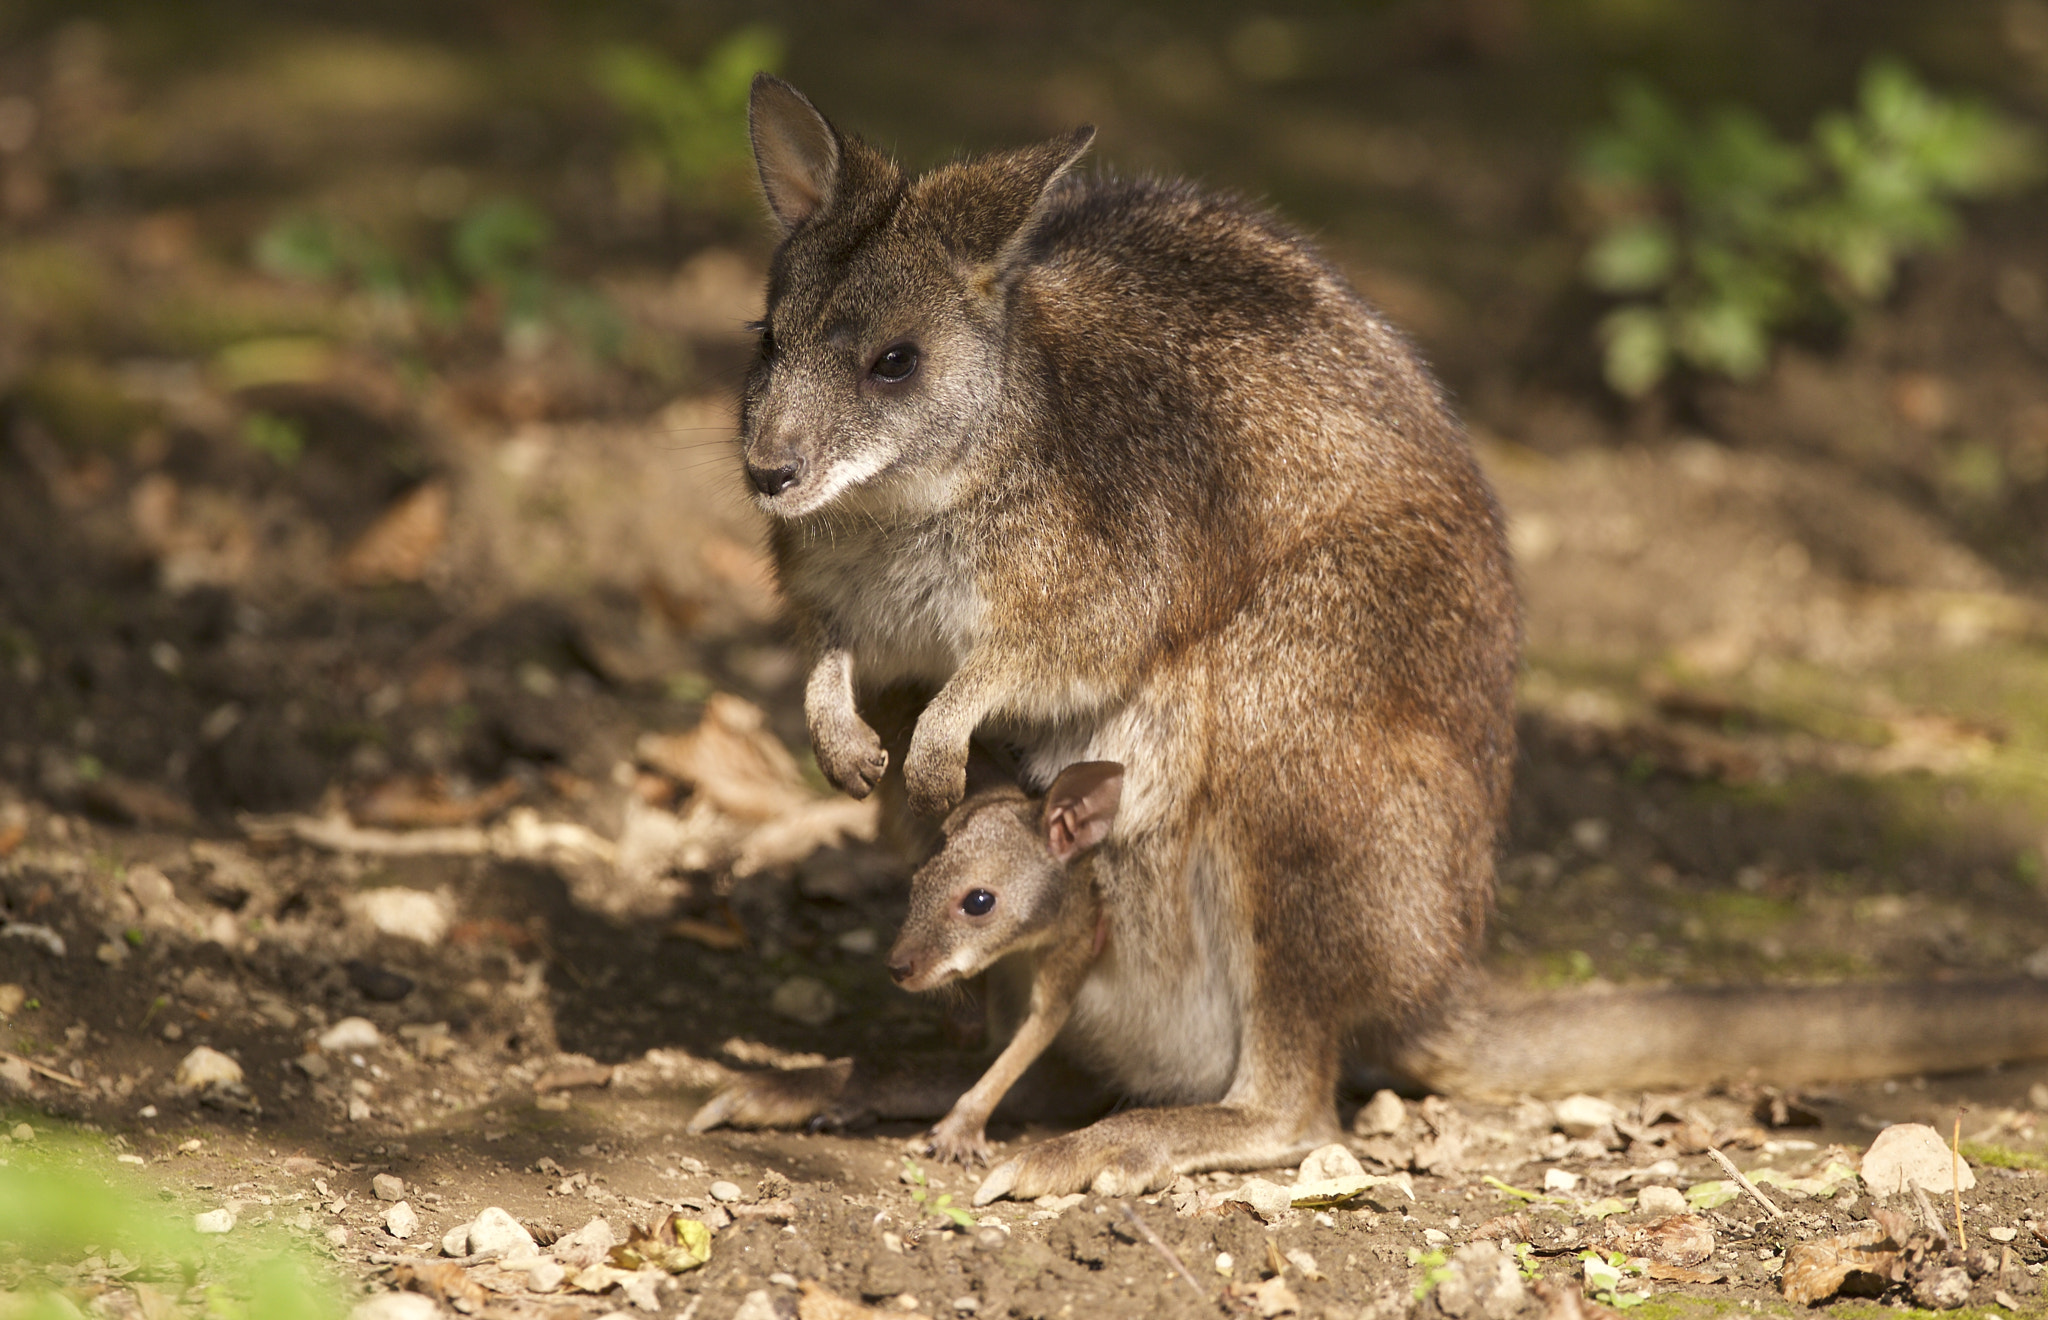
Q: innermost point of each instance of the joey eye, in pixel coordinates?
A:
(978, 903)
(895, 363)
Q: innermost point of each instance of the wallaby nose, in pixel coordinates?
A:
(775, 480)
(902, 970)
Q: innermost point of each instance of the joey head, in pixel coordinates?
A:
(1009, 880)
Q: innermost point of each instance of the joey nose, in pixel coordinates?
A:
(777, 479)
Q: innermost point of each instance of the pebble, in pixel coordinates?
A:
(406, 914)
(1435, 1237)
(214, 1221)
(543, 1273)
(1332, 1161)
(400, 1221)
(804, 999)
(1559, 1180)
(22, 1132)
(351, 1033)
(398, 1306)
(1661, 1201)
(1913, 1153)
(757, 1306)
(455, 1242)
(1583, 1115)
(1382, 1116)
(388, 1187)
(725, 1191)
(313, 1065)
(967, 1305)
(12, 997)
(337, 1237)
(205, 1067)
(2001, 1234)
(496, 1230)
(588, 1245)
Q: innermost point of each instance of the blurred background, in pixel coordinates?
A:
(365, 377)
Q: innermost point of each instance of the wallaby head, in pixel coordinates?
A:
(881, 349)
(1000, 883)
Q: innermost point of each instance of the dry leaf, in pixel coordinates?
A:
(731, 760)
(423, 801)
(402, 543)
(445, 1282)
(1863, 1262)
(573, 1076)
(675, 1244)
(710, 934)
(1681, 1240)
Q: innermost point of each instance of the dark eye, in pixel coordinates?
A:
(767, 337)
(978, 903)
(895, 363)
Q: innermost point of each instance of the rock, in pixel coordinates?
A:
(1382, 1116)
(757, 1306)
(1481, 1283)
(455, 1242)
(12, 997)
(15, 1076)
(350, 1034)
(22, 1132)
(1275, 1298)
(1660, 1201)
(543, 1273)
(1326, 1162)
(1583, 1115)
(1559, 1180)
(406, 914)
(337, 1237)
(1913, 1153)
(588, 1245)
(388, 1187)
(1944, 1289)
(1268, 1200)
(313, 1065)
(214, 1221)
(725, 1191)
(496, 1230)
(400, 1221)
(205, 1067)
(398, 1306)
(804, 999)
(379, 985)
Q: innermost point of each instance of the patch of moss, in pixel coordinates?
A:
(2002, 1157)
(82, 404)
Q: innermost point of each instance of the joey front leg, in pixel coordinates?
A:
(962, 1135)
(848, 751)
(935, 769)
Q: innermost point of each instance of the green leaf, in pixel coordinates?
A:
(1633, 257)
(1637, 349)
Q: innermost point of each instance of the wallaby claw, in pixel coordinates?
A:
(851, 756)
(936, 783)
(778, 1098)
(966, 1149)
(999, 1182)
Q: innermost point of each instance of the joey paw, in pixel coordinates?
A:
(936, 780)
(950, 1144)
(850, 755)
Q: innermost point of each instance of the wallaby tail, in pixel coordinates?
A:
(1553, 1044)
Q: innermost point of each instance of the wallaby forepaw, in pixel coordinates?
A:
(851, 756)
(936, 781)
(967, 1147)
(783, 1098)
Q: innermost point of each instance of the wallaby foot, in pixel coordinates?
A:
(781, 1098)
(1142, 1150)
(960, 1139)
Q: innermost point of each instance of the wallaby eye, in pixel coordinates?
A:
(978, 903)
(892, 364)
(767, 338)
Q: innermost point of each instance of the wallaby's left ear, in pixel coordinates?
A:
(796, 151)
(1081, 806)
(989, 208)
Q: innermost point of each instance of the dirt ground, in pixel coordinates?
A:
(400, 709)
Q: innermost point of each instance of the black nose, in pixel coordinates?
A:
(775, 480)
(902, 970)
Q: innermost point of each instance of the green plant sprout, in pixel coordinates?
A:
(1604, 1276)
(1717, 235)
(940, 1205)
(692, 123)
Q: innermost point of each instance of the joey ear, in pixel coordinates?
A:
(1081, 806)
(796, 151)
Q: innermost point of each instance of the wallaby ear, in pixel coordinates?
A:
(1036, 170)
(795, 149)
(1081, 806)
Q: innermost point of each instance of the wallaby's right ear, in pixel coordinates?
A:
(1081, 806)
(795, 149)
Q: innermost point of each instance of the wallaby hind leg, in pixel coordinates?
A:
(916, 1088)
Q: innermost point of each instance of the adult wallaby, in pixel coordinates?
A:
(1122, 471)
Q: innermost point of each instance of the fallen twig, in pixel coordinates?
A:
(418, 1262)
(1745, 1184)
(43, 1071)
(1145, 1231)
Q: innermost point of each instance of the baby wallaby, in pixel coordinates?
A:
(1004, 883)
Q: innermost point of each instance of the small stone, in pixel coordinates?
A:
(1275, 1298)
(543, 1273)
(725, 1191)
(22, 1132)
(388, 1187)
(2001, 1234)
(398, 1306)
(12, 997)
(757, 1306)
(205, 1067)
(804, 999)
(406, 914)
(1382, 1116)
(379, 985)
(1943, 1290)
(1913, 1153)
(455, 1242)
(783, 1279)
(1559, 1180)
(214, 1221)
(400, 1221)
(496, 1230)
(313, 1065)
(337, 1236)
(1482, 1283)
(1268, 1200)
(350, 1034)
(359, 1110)
(859, 942)
(1583, 1115)
(1435, 1237)
(967, 1305)
(113, 953)
(1661, 1201)
(1326, 1162)
(588, 1245)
